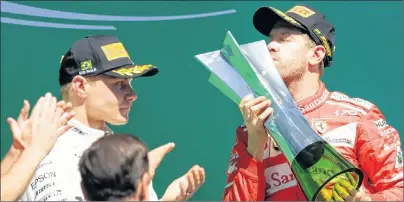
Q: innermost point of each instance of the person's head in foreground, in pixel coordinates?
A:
(95, 76)
(115, 168)
(301, 41)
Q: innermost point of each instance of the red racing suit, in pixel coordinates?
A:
(356, 128)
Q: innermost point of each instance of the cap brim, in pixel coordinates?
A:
(266, 17)
(133, 71)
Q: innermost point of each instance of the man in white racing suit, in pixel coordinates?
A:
(95, 76)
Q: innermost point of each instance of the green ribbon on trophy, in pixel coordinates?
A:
(322, 173)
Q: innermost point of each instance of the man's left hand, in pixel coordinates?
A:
(341, 194)
(184, 188)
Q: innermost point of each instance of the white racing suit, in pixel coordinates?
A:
(57, 178)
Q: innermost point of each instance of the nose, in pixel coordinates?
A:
(131, 96)
(273, 47)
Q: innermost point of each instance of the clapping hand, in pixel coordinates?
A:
(185, 187)
(47, 122)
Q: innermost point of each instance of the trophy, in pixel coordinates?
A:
(237, 71)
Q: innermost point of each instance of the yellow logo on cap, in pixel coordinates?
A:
(114, 51)
(86, 65)
(61, 59)
(302, 11)
(137, 69)
(324, 40)
(284, 16)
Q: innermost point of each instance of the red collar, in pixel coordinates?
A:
(314, 101)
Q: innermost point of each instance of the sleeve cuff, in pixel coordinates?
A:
(250, 167)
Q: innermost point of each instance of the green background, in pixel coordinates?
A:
(179, 104)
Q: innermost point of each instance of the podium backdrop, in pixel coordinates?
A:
(179, 104)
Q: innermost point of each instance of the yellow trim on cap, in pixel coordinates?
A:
(324, 40)
(137, 69)
(285, 17)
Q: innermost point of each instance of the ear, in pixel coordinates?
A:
(80, 86)
(142, 190)
(316, 55)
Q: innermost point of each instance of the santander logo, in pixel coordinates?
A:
(19, 9)
(279, 177)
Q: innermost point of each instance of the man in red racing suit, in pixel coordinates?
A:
(301, 43)
(355, 127)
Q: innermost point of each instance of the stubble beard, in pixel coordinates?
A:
(290, 72)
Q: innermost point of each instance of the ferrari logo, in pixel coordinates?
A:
(399, 160)
(320, 125)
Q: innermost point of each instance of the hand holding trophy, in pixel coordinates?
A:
(238, 71)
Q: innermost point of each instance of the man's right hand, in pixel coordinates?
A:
(17, 126)
(255, 112)
(47, 123)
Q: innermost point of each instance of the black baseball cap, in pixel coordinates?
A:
(307, 19)
(100, 54)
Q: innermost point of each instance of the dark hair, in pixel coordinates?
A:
(113, 166)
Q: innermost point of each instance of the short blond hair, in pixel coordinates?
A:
(65, 91)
